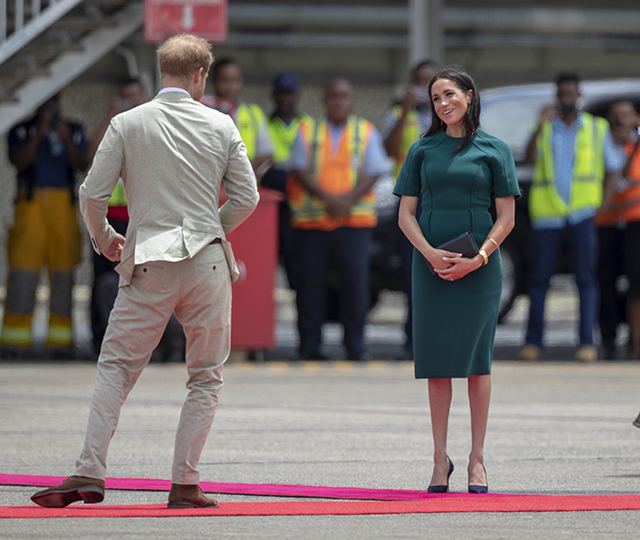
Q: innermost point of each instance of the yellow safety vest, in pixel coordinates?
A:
(588, 171)
(283, 136)
(337, 172)
(118, 198)
(250, 121)
(410, 134)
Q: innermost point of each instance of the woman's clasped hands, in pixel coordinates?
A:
(452, 266)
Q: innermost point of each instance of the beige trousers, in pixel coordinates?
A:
(199, 291)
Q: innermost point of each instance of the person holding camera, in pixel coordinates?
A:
(402, 125)
(47, 151)
(130, 95)
(574, 161)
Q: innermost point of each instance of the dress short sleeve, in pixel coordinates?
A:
(503, 169)
(409, 179)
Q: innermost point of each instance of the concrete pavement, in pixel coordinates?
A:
(554, 428)
(384, 332)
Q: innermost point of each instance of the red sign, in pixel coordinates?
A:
(204, 18)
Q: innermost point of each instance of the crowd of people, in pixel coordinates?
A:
(585, 191)
(327, 167)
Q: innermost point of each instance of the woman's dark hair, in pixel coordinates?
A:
(471, 119)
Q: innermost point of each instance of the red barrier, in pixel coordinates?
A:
(255, 245)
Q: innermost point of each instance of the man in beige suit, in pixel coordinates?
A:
(172, 154)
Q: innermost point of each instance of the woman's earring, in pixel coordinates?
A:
(469, 108)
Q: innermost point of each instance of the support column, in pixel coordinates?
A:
(426, 34)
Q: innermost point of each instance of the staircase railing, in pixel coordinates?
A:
(21, 21)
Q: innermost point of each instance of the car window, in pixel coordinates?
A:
(512, 120)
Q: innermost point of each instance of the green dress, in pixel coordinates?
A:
(454, 322)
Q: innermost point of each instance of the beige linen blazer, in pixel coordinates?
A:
(172, 154)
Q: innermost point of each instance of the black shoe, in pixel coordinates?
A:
(359, 357)
(64, 353)
(442, 489)
(480, 489)
(12, 353)
(610, 352)
(406, 354)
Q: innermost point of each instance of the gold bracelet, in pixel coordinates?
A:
(496, 243)
(484, 256)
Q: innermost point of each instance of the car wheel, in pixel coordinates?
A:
(511, 281)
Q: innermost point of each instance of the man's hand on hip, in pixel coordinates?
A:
(114, 251)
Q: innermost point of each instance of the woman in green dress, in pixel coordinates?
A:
(458, 170)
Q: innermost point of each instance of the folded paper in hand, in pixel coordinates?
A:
(464, 244)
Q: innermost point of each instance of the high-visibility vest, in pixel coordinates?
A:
(336, 172)
(117, 206)
(588, 171)
(118, 198)
(626, 204)
(250, 121)
(283, 136)
(410, 134)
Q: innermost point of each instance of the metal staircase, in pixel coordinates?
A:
(46, 44)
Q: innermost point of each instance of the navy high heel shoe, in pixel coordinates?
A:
(442, 489)
(480, 489)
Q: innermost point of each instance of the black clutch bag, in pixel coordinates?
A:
(464, 243)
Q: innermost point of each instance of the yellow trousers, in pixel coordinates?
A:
(45, 232)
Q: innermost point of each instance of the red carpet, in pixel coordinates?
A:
(373, 501)
(274, 490)
(441, 503)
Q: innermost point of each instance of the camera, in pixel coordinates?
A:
(55, 116)
(421, 93)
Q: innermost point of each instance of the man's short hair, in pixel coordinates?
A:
(129, 81)
(621, 102)
(220, 63)
(566, 77)
(427, 62)
(184, 54)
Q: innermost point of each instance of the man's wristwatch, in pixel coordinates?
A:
(484, 256)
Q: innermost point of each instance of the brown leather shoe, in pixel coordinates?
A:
(74, 488)
(189, 496)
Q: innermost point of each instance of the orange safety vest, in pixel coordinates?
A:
(626, 204)
(336, 171)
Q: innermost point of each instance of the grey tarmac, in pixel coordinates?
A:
(555, 428)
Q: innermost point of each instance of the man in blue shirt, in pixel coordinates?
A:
(574, 157)
(46, 151)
